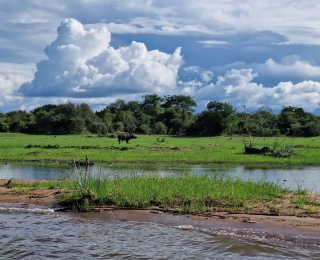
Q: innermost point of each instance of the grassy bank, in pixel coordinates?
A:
(154, 149)
(181, 194)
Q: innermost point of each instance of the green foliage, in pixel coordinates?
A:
(176, 113)
(161, 139)
(185, 193)
(177, 120)
(296, 122)
(151, 105)
(216, 119)
(159, 128)
(185, 103)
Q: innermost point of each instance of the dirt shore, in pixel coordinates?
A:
(297, 221)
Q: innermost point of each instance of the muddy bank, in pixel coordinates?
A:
(47, 197)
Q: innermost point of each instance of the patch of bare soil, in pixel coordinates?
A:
(298, 212)
(47, 197)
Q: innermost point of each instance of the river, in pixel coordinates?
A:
(138, 235)
(303, 177)
(33, 232)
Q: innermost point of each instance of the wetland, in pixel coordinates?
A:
(202, 192)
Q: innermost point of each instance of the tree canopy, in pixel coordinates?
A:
(161, 115)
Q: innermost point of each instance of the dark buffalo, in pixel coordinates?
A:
(126, 136)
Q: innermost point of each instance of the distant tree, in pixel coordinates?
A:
(185, 103)
(159, 128)
(177, 120)
(4, 125)
(18, 121)
(295, 121)
(118, 106)
(215, 119)
(107, 119)
(118, 126)
(134, 106)
(265, 122)
(151, 105)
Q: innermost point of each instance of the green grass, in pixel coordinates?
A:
(185, 193)
(182, 194)
(50, 184)
(156, 149)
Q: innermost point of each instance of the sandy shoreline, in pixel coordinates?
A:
(49, 198)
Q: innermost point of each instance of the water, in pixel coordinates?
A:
(290, 177)
(30, 232)
(131, 235)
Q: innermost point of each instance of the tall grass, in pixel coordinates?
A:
(184, 193)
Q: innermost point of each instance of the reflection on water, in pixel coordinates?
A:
(109, 236)
(290, 177)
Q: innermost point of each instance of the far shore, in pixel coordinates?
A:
(49, 198)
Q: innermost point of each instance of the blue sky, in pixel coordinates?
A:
(252, 53)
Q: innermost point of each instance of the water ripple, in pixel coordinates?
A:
(25, 235)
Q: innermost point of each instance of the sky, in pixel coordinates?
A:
(248, 53)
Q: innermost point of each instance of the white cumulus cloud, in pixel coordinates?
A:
(207, 76)
(11, 77)
(236, 87)
(292, 66)
(81, 63)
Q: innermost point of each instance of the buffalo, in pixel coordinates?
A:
(126, 136)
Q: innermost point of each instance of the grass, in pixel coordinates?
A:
(184, 193)
(154, 149)
(35, 185)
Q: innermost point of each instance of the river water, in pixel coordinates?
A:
(30, 232)
(303, 177)
(137, 235)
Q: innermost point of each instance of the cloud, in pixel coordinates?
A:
(212, 43)
(292, 66)
(297, 21)
(207, 76)
(192, 69)
(236, 87)
(11, 77)
(81, 63)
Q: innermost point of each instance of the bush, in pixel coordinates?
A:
(159, 128)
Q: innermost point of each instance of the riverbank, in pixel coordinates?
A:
(287, 216)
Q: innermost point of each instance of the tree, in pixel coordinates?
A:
(18, 121)
(151, 105)
(265, 121)
(185, 103)
(107, 120)
(177, 120)
(134, 106)
(215, 119)
(117, 106)
(295, 121)
(159, 128)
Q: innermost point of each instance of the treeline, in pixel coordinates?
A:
(173, 115)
